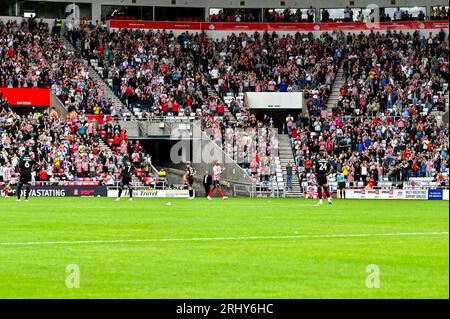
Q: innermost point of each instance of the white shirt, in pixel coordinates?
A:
(347, 13)
(363, 170)
(217, 170)
(214, 73)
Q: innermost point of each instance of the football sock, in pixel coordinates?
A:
(27, 191)
(19, 191)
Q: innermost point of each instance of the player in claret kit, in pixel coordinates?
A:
(26, 165)
(127, 170)
(217, 170)
(322, 168)
(189, 178)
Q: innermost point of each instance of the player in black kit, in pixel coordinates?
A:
(189, 177)
(126, 172)
(322, 168)
(26, 165)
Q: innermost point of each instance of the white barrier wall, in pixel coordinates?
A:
(274, 100)
(424, 194)
(174, 193)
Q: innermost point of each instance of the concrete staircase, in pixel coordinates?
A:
(279, 170)
(439, 115)
(334, 97)
(213, 92)
(122, 110)
(229, 97)
(285, 156)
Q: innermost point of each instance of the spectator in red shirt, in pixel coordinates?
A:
(11, 52)
(116, 140)
(175, 107)
(43, 174)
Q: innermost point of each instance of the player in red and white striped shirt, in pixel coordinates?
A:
(217, 170)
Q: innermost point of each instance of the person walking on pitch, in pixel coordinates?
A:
(217, 170)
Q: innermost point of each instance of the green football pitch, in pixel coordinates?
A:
(239, 248)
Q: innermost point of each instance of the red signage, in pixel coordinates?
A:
(139, 24)
(26, 96)
(97, 118)
(234, 26)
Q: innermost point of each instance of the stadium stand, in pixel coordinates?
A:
(382, 126)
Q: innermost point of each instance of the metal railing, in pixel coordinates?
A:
(258, 190)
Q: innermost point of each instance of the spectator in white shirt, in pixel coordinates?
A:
(398, 14)
(348, 13)
(310, 14)
(360, 16)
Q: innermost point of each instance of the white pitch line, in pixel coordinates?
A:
(150, 240)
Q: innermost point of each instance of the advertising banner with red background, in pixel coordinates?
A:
(229, 26)
(26, 96)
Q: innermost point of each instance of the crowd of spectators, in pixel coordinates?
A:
(234, 15)
(349, 14)
(68, 150)
(380, 127)
(160, 72)
(31, 56)
(24, 52)
(291, 15)
(166, 75)
(439, 13)
(383, 125)
(157, 68)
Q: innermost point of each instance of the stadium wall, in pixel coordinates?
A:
(255, 4)
(221, 30)
(64, 191)
(424, 194)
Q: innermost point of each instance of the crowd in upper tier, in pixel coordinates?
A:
(162, 73)
(383, 124)
(32, 56)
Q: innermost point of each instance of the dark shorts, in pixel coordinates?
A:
(322, 181)
(216, 183)
(341, 185)
(126, 180)
(190, 180)
(25, 178)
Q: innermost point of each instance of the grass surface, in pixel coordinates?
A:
(311, 258)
